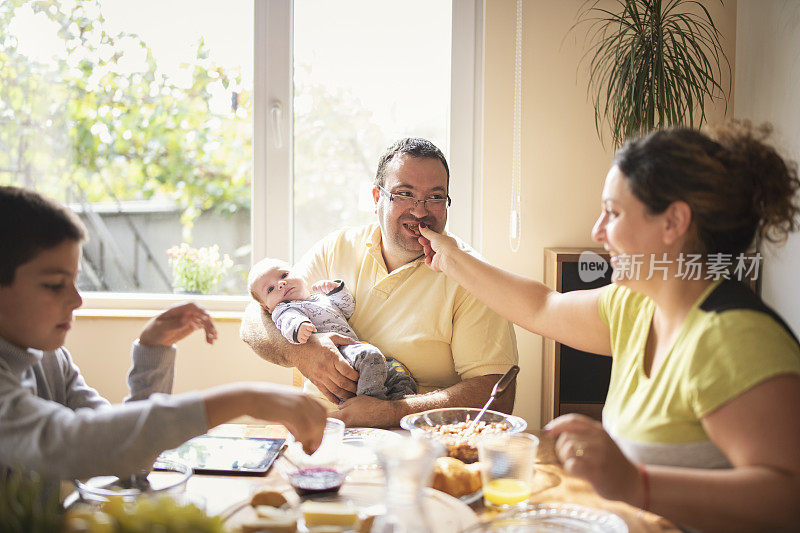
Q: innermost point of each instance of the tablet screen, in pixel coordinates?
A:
(234, 455)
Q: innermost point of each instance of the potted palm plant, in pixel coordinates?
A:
(652, 63)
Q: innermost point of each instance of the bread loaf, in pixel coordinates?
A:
(456, 478)
(269, 497)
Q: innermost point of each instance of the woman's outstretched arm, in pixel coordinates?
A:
(571, 318)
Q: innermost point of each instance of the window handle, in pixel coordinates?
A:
(276, 113)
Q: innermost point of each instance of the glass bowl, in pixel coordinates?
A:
(555, 518)
(460, 446)
(101, 489)
(312, 479)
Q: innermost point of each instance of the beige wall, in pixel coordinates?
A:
(101, 347)
(767, 85)
(563, 167)
(563, 162)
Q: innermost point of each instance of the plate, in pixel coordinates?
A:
(358, 444)
(448, 514)
(554, 517)
(469, 499)
(367, 436)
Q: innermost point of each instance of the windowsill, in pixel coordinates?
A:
(139, 305)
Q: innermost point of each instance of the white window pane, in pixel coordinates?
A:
(365, 74)
(137, 115)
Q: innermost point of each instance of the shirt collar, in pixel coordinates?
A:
(374, 249)
(17, 359)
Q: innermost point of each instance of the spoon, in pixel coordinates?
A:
(283, 454)
(497, 390)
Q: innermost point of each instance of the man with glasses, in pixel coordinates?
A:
(455, 347)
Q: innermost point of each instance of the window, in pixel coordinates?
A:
(417, 78)
(138, 115)
(359, 84)
(164, 122)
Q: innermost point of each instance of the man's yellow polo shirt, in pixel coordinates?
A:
(422, 318)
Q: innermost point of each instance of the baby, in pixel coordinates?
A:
(298, 313)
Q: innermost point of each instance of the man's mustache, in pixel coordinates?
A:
(428, 221)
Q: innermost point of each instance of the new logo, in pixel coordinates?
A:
(591, 266)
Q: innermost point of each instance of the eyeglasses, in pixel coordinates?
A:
(406, 200)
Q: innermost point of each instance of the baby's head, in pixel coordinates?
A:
(270, 282)
(41, 242)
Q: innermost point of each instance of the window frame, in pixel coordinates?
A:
(273, 150)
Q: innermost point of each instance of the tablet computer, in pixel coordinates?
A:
(226, 455)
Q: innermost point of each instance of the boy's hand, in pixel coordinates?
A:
(302, 415)
(304, 332)
(176, 323)
(324, 286)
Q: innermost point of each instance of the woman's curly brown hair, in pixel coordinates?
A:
(737, 186)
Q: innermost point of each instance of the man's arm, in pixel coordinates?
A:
(260, 333)
(318, 359)
(372, 412)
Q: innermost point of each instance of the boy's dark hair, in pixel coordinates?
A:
(30, 223)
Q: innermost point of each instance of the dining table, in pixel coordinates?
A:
(229, 495)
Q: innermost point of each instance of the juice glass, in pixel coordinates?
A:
(507, 468)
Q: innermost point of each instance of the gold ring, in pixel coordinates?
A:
(578, 449)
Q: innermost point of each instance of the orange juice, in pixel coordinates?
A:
(506, 491)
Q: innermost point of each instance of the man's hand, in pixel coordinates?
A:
(366, 411)
(324, 286)
(176, 323)
(304, 332)
(327, 369)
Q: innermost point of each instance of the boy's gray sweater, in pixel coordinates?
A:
(51, 421)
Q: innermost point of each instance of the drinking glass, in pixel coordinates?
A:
(329, 449)
(507, 468)
(407, 464)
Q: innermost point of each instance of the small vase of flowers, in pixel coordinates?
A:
(197, 270)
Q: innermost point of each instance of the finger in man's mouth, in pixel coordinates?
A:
(411, 227)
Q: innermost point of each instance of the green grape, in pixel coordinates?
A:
(77, 524)
(102, 523)
(115, 506)
(145, 515)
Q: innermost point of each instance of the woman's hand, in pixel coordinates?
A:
(176, 323)
(587, 451)
(436, 248)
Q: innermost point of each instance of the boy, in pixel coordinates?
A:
(51, 421)
(297, 313)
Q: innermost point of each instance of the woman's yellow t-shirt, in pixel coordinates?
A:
(729, 343)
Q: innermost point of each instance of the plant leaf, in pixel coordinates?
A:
(652, 64)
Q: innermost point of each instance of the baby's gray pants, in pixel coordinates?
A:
(376, 376)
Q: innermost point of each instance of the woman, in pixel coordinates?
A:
(705, 383)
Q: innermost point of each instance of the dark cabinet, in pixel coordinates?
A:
(573, 381)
